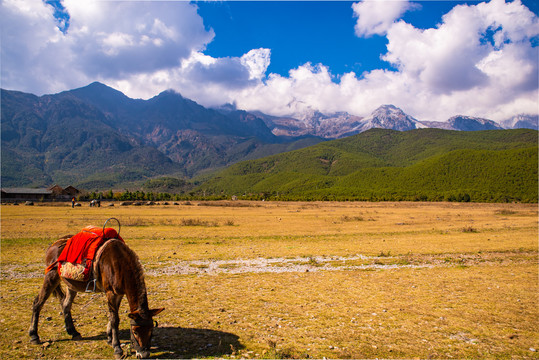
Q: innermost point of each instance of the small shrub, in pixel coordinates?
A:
(227, 204)
(197, 222)
(505, 212)
(165, 221)
(136, 222)
(272, 344)
(346, 218)
(313, 262)
(469, 229)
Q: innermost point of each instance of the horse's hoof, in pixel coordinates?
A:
(34, 337)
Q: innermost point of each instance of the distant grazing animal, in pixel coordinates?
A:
(116, 271)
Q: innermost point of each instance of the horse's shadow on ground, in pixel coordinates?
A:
(186, 343)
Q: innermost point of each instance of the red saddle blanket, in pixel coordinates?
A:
(75, 261)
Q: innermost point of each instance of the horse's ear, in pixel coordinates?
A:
(156, 311)
(134, 315)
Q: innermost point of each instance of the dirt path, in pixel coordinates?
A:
(275, 265)
(333, 263)
(302, 264)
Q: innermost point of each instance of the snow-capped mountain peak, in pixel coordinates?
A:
(469, 123)
(309, 121)
(522, 121)
(390, 117)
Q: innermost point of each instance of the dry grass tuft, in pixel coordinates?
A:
(237, 204)
(346, 218)
(505, 212)
(198, 222)
(469, 229)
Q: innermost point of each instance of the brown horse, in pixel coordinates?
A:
(117, 272)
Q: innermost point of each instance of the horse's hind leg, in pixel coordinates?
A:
(50, 283)
(66, 310)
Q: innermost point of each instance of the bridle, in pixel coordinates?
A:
(139, 322)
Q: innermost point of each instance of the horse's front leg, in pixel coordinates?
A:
(66, 309)
(114, 321)
(50, 282)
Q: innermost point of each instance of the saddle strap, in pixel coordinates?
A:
(51, 266)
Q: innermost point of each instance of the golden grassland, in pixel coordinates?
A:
(476, 296)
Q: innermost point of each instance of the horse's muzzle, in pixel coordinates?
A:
(144, 354)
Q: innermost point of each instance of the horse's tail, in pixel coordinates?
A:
(51, 258)
(54, 251)
(59, 292)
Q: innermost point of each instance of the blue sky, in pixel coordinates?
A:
(434, 59)
(305, 31)
(299, 32)
(296, 32)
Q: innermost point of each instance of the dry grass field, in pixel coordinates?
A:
(294, 280)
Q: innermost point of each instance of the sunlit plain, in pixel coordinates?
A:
(433, 279)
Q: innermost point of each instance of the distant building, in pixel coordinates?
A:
(56, 190)
(70, 190)
(66, 193)
(23, 194)
(54, 193)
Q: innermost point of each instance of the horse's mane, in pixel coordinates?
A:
(138, 276)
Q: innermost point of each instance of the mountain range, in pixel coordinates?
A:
(95, 137)
(342, 124)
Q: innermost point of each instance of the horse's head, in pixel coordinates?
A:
(141, 331)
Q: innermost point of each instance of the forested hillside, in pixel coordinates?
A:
(423, 164)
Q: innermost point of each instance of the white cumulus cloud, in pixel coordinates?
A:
(480, 61)
(257, 61)
(208, 80)
(104, 41)
(377, 16)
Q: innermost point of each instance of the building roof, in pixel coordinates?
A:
(26, 191)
